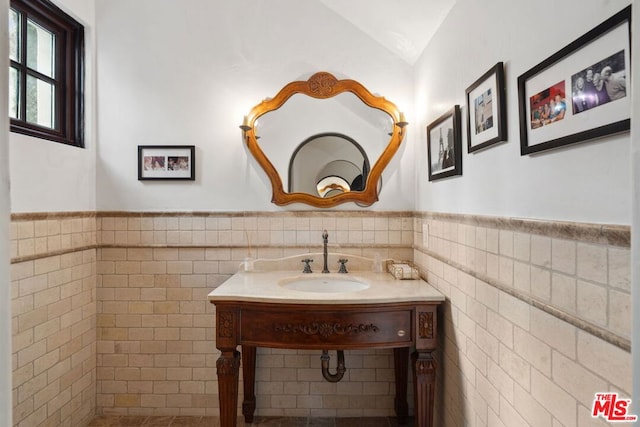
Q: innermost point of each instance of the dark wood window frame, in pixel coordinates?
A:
(68, 75)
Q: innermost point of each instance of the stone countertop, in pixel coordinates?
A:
(267, 287)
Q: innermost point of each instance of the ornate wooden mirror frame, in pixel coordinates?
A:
(324, 85)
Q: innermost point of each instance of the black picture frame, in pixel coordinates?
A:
(591, 113)
(166, 162)
(441, 164)
(487, 110)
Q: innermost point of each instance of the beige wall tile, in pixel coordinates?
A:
(64, 338)
(505, 267)
(588, 299)
(592, 263)
(535, 351)
(166, 323)
(592, 302)
(506, 246)
(541, 250)
(541, 283)
(493, 266)
(515, 311)
(619, 268)
(563, 292)
(493, 240)
(620, 312)
(522, 276)
(578, 381)
(517, 367)
(501, 328)
(530, 409)
(556, 400)
(25, 229)
(563, 256)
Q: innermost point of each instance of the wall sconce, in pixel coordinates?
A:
(245, 125)
(246, 128)
(402, 122)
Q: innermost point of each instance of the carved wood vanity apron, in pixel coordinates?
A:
(400, 326)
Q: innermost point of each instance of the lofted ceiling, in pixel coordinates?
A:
(404, 27)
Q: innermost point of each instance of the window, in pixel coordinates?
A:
(46, 72)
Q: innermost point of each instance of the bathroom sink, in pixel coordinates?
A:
(325, 285)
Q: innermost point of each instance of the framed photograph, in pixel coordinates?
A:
(486, 110)
(444, 145)
(580, 92)
(166, 162)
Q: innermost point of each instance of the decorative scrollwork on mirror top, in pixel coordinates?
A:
(324, 85)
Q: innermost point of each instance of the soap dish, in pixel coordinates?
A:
(402, 270)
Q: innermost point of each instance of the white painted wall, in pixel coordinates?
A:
(588, 182)
(50, 177)
(189, 72)
(5, 214)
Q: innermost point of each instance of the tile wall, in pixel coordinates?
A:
(156, 329)
(110, 314)
(537, 318)
(53, 276)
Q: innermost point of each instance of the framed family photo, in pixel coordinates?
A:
(579, 93)
(444, 145)
(170, 162)
(486, 110)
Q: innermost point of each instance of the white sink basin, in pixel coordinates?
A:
(323, 285)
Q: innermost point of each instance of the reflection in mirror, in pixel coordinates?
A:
(332, 185)
(328, 164)
(301, 118)
(316, 139)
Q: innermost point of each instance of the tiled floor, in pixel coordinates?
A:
(183, 421)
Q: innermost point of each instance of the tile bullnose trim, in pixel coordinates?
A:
(19, 259)
(37, 216)
(608, 234)
(336, 247)
(316, 214)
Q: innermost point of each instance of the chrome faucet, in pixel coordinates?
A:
(325, 240)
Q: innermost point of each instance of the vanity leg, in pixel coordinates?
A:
(228, 368)
(424, 383)
(401, 365)
(248, 381)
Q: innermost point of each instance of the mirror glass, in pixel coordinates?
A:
(306, 134)
(324, 141)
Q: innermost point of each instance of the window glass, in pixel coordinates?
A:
(14, 93)
(40, 49)
(40, 102)
(14, 30)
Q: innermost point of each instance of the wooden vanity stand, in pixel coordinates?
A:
(398, 325)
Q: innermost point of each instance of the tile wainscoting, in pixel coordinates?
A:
(156, 329)
(537, 318)
(53, 274)
(110, 314)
